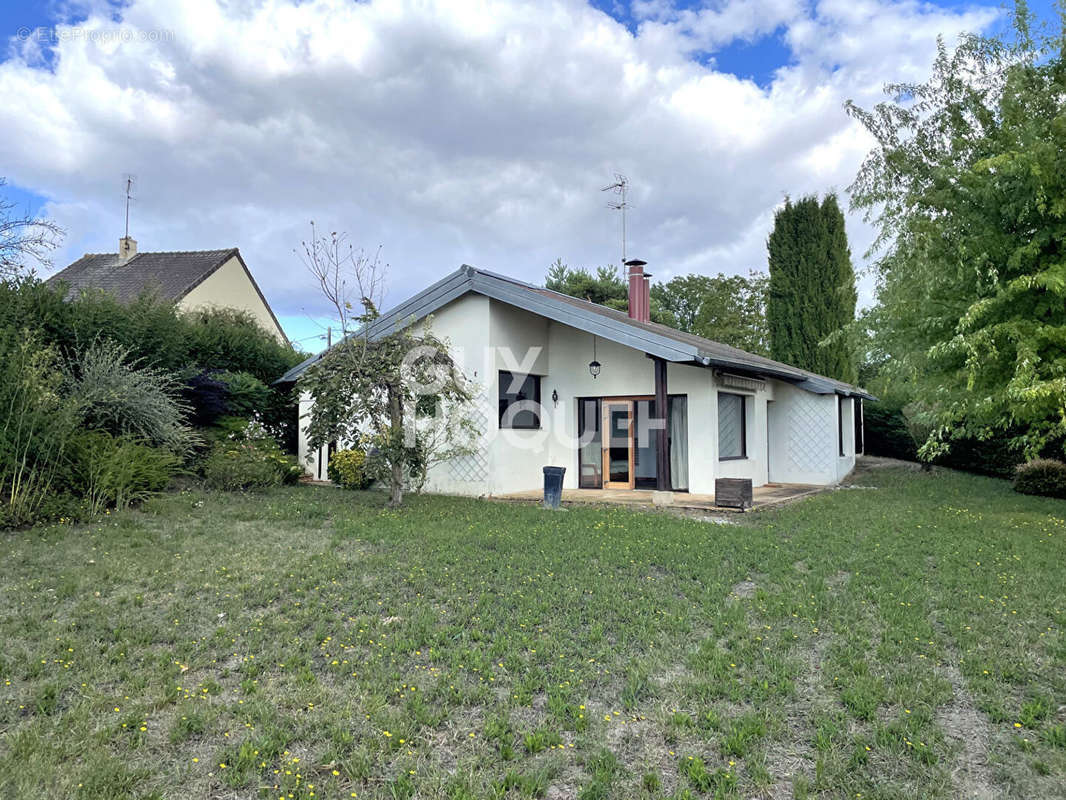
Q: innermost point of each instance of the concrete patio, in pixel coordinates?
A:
(762, 496)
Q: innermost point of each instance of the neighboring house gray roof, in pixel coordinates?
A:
(168, 275)
(607, 323)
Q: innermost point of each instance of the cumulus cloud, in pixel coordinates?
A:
(451, 132)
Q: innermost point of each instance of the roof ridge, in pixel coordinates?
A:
(169, 252)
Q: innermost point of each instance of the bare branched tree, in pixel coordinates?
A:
(369, 387)
(352, 281)
(26, 241)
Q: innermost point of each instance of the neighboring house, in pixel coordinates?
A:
(569, 383)
(191, 280)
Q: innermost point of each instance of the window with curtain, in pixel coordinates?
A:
(732, 425)
(519, 400)
(678, 424)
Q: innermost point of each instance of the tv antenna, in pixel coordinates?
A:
(619, 187)
(129, 196)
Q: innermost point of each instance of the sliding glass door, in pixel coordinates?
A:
(618, 440)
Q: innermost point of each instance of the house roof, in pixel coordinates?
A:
(617, 326)
(169, 275)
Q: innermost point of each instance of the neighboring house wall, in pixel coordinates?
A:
(230, 287)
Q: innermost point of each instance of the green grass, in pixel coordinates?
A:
(901, 641)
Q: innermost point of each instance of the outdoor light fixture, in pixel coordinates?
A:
(555, 397)
(594, 365)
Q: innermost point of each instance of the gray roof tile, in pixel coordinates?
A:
(169, 275)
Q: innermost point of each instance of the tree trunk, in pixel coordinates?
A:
(395, 435)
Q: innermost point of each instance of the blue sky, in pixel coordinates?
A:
(495, 156)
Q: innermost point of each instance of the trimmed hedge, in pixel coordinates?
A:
(1042, 476)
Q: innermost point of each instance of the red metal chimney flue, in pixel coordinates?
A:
(639, 293)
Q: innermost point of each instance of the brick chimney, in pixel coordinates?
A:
(639, 291)
(127, 249)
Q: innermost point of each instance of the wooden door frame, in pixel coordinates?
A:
(605, 441)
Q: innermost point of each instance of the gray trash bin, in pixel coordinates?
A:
(553, 486)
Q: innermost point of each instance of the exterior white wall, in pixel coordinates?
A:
(791, 434)
(754, 465)
(803, 435)
(846, 463)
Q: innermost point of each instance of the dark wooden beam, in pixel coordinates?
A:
(662, 450)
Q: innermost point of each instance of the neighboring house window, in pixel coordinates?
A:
(519, 400)
(840, 423)
(732, 426)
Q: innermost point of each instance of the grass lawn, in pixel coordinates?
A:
(898, 641)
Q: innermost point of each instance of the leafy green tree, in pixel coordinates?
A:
(370, 391)
(812, 287)
(967, 187)
(605, 286)
(399, 396)
(726, 308)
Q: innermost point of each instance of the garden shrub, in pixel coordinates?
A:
(120, 397)
(205, 394)
(1042, 476)
(247, 460)
(246, 395)
(118, 471)
(157, 335)
(347, 469)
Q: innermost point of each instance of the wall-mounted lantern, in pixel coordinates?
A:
(555, 397)
(594, 365)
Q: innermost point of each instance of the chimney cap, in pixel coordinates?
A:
(636, 262)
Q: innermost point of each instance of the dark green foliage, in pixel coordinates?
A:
(606, 286)
(158, 336)
(726, 308)
(246, 394)
(812, 287)
(37, 422)
(205, 393)
(885, 431)
(1042, 476)
(966, 188)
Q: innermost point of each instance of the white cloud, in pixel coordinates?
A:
(476, 132)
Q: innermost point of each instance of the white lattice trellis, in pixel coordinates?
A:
(474, 467)
(810, 433)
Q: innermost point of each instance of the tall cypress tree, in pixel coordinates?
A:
(812, 287)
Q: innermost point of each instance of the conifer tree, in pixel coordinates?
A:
(812, 287)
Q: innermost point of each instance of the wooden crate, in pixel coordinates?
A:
(733, 493)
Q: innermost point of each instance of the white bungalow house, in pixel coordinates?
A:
(565, 382)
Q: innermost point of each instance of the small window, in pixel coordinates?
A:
(732, 426)
(519, 400)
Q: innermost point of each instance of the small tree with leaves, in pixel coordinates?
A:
(392, 389)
